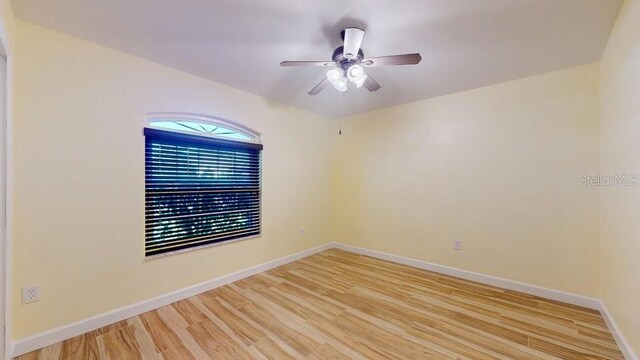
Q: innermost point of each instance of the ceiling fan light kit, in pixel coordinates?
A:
(349, 62)
(355, 74)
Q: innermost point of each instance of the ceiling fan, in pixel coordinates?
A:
(349, 62)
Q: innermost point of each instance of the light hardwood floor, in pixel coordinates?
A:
(338, 304)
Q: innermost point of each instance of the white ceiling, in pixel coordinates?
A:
(464, 44)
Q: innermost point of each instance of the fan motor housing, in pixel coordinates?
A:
(343, 62)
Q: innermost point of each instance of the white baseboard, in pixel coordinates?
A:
(622, 342)
(543, 292)
(53, 336)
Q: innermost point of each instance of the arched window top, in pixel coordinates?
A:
(202, 125)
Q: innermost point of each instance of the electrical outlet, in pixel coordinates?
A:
(30, 294)
(301, 232)
(457, 244)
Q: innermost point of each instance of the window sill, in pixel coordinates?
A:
(153, 257)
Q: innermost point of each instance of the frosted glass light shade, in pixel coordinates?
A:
(335, 74)
(340, 84)
(356, 75)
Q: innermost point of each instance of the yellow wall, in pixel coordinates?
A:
(496, 167)
(620, 154)
(79, 178)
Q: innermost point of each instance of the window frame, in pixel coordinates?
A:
(212, 120)
(255, 138)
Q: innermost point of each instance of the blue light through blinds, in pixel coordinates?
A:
(199, 191)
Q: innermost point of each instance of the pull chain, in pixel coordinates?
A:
(340, 112)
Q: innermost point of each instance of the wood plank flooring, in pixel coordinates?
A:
(340, 305)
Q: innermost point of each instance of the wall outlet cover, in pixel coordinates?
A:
(30, 294)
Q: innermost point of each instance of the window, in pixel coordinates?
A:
(203, 183)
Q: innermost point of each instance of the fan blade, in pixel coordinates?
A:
(352, 41)
(321, 85)
(307, 63)
(371, 84)
(391, 60)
